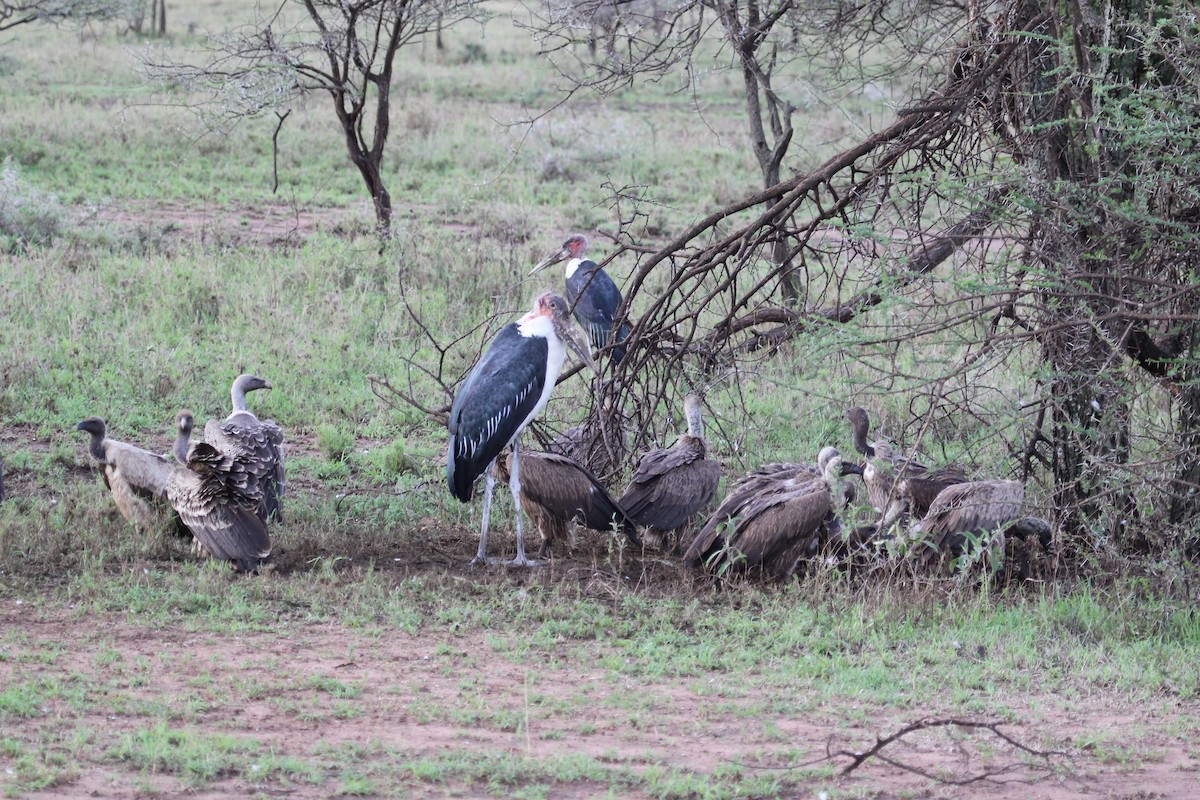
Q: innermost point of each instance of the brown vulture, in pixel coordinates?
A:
(137, 478)
(556, 491)
(773, 519)
(671, 485)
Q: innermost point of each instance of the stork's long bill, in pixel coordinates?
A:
(571, 248)
(555, 307)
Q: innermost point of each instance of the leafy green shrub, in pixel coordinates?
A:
(394, 459)
(336, 443)
(28, 216)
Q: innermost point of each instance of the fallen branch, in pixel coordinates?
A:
(876, 751)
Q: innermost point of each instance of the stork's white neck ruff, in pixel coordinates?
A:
(535, 324)
(573, 265)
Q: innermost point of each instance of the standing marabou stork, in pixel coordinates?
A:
(506, 389)
(593, 296)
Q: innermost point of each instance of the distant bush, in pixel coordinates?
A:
(28, 215)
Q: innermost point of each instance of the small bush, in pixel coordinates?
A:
(394, 459)
(28, 216)
(336, 443)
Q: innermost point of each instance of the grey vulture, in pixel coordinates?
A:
(671, 485)
(213, 500)
(975, 508)
(137, 478)
(254, 446)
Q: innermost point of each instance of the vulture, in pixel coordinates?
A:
(137, 478)
(773, 519)
(255, 447)
(977, 507)
(885, 465)
(216, 503)
(671, 485)
(556, 491)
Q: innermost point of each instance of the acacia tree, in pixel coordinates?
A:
(1055, 166)
(345, 50)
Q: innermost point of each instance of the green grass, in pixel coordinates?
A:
(139, 316)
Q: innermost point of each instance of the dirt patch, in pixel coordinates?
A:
(309, 690)
(262, 224)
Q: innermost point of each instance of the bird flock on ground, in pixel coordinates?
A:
(227, 489)
(223, 491)
(771, 522)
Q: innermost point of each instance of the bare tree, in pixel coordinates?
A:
(767, 43)
(23, 12)
(346, 50)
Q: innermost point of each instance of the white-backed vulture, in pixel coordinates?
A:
(210, 494)
(137, 478)
(255, 446)
(773, 520)
(962, 510)
(672, 485)
(885, 466)
(556, 491)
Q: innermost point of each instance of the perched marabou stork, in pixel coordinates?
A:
(673, 484)
(593, 296)
(504, 392)
(897, 484)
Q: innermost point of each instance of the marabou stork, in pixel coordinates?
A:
(773, 520)
(885, 466)
(671, 485)
(256, 446)
(137, 478)
(593, 296)
(557, 490)
(504, 392)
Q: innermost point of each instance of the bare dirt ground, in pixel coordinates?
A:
(261, 686)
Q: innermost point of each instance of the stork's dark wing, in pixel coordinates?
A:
(210, 503)
(594, 298)
(494, 401)
(570, 491)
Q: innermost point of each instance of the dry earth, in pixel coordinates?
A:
(261, 686)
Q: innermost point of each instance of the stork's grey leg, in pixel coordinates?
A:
(489, 483)
(514, 483)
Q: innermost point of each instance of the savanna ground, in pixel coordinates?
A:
(370, 660)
